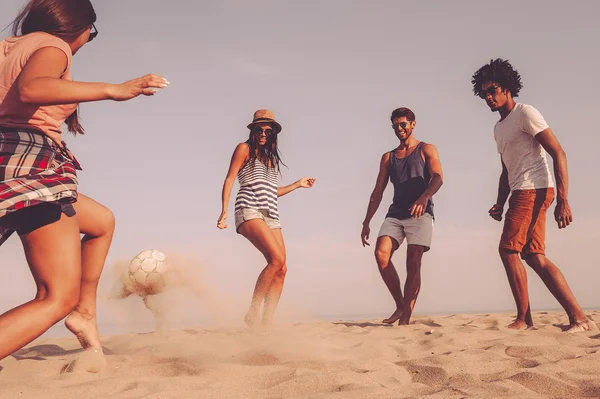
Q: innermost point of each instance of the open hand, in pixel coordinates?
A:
(496, 212)
(418, 208)
(306, 182)
(563, 214)
(364, 234)
(145, 85)
(221, 223)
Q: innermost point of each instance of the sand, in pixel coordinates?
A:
(460, 355)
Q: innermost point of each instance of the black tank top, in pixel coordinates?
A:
(410, 178)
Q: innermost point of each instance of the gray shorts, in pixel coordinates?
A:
(245, 214)
(417, 231)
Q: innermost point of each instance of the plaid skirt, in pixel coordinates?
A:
(33, 170)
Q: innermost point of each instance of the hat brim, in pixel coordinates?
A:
(266, 120)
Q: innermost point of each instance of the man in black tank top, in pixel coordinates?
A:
(415, 171)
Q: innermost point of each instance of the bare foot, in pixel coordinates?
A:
(394, 317)
(250, 320)
(581, 326)
(519, 325)
(267, 323)
(84, 326)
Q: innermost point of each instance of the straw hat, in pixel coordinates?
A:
(262, 116)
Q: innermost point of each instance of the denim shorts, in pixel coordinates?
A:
(245, 214)
(31, 218)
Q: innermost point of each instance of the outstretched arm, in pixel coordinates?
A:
(432, 160)
(40, 83)
(562, 212)
(376, 196)
(239, 157)
(503, 192)
(305, 182)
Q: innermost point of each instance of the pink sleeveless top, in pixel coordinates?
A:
(14, 53)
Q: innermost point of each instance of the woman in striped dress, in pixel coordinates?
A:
(256, 164)
(38, 181)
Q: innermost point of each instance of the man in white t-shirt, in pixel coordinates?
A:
(523, 138)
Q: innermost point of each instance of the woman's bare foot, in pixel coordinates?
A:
(519, 325)
(85, 328)
(581, 326)
(251, 320)
(394, 317)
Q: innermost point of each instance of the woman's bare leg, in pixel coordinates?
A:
(274, 293)
(97, 223)
(263, 238)
(54, 256)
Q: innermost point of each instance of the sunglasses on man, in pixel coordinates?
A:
(403, 125)
(490, 90)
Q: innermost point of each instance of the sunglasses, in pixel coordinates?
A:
(490, 90)
(403, 125)
(259, 130)
(93, 33)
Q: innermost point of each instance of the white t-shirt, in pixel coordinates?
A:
(523, 155)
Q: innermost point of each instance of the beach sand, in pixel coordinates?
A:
(460, 355)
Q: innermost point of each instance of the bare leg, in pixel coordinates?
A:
(274, 293)
(557, 284)
(414, 254)
(384, 249)
(263, 238)
(97, 223)
(517, 278)
(53, 254)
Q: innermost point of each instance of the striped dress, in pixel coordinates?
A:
(258, 188)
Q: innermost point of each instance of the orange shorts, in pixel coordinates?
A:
(525, 224)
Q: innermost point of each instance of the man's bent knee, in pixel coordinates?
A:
(382, 256)
(536, 261)
(282, 272)
(277, 261)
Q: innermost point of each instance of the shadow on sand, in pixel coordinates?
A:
(41, 352)
(363, 325)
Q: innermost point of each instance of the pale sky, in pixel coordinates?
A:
(332, 72)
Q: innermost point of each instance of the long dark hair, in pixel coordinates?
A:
(268, 154)
(59, 18)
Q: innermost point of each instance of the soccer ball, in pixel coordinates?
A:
(148, 272)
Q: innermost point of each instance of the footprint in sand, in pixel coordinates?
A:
(348, 387)
(496, 376)
(428, 375)
(268, 380)
(463, 380)
(258, 358)
(428, 322)
(546, 386)
(522, 363)
(523, 351)
(89, 361)
(174, 367)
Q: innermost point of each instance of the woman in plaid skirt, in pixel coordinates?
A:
(38, 180)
